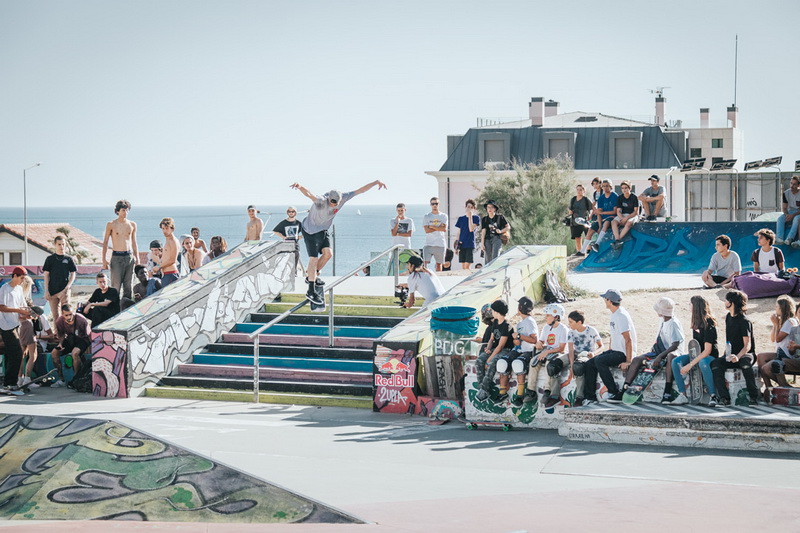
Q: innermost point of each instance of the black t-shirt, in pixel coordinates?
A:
(580, 208)
(627, 204)
(498, 332)
(290, 230)
(111, 294)
(59, 267)
(708, 334)
(490, 223)
(736, 328)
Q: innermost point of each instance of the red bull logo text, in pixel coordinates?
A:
(395, 380)
(393, 366)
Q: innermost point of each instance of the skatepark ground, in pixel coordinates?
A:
(399, 473)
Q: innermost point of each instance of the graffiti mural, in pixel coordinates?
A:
(109, 373)
(394, 378)
(79, 469)
(167, 327)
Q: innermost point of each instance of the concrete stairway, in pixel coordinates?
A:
(296, 365)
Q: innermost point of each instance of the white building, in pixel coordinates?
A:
(40, 243)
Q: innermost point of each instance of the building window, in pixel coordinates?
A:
(494, 147)
(2, 258)
(624, 153)
(695, 153)
(716, 159)
(494, 150)
(716, 143)
(559, 144)
(558, 147)
(14, 258)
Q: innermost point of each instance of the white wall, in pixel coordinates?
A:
(10, 243)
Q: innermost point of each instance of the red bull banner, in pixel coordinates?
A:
(395, 378)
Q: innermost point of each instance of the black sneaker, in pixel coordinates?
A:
(595, 247)
(580, 254)
(666, 398)
(500, 398)
(551, 402)
(315, 298)
(516, 400)
(482, 395)
(531, 397)
(617, 398)
(651, 218)
(318, 282)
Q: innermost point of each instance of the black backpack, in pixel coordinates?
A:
(82, 381)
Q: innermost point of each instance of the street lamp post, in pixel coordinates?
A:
(25, 206)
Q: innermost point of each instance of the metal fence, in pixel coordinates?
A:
(713, 197)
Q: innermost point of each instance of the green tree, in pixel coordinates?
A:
(73, 247)
(534, 199)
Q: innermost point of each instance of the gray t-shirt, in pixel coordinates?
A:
(792, 200)
(436, 238)
(321, 215)
(652, 192)
(405, 226)
(583, 341)
(719, 266)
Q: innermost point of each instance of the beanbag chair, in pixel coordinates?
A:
(765, 285)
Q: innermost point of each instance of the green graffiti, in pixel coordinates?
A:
(184, 497)
(527, 412)
(487, 406)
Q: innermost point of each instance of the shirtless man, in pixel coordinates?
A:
(254, 226)
(124, 251)
(199, 243)
(169, 258)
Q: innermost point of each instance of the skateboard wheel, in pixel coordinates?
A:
(506, 427)
(471, 426)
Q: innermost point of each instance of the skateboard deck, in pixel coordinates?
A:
(695, 388)
(643, 380)
(320, 290)
(41, 379)
(9, 392)
(474, 424)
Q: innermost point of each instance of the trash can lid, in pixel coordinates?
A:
(453, 312)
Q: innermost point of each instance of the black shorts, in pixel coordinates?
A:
(578, 231)
(718, 279)
(315, 242)
(72, 342)
(465, 255)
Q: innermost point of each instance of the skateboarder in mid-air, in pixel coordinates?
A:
(315, 230)
(670, 339)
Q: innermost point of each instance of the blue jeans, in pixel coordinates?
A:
(705, 369)
(166, 279)
(781, 229)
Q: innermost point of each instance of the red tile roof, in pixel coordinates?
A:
(41, 236)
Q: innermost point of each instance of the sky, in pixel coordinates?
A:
(171, 102)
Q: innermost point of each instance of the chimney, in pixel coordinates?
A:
(733, 114)
(661, 111)
(550, 108)
(536, 111)
(703, 117)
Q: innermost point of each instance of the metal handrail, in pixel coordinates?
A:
(394, 250)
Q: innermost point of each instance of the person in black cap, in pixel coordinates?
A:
(493, 226)
(315, 230)
(421, 280)
(497, 342)
(653, 200)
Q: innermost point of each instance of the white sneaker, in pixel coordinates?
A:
(23, 381)
(779, 241)
(59, 383)
(680, 400)
(795, 244)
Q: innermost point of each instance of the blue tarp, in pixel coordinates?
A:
(460, 320)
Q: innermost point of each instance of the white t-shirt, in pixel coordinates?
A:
(786, 328)
(436, 238)
(11, 297)
(406, 225)
(527, 327)
(428, 285)
(672, 331)
(553, 336)
(621, 322)
(45, 326)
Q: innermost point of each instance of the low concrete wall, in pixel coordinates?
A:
(400, 383)
(143, 343)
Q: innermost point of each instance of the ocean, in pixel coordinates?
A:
(359, 229)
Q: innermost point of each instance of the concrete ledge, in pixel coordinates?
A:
(187, 393)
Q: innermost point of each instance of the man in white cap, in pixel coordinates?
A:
(315, 230)
(623, 346)
(669, 340)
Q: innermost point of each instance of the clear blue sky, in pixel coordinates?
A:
(227, 102)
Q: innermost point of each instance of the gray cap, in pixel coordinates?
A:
(612, 295)
(335, 196)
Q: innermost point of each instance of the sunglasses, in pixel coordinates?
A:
(434, 203)
(291, 212)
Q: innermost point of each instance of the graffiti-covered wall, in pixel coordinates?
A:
(401, 383)
(145, 342)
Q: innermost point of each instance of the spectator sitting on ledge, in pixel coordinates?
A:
(724, 266)
(767, 258)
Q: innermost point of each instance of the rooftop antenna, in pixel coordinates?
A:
(659, 91)
(735, 68)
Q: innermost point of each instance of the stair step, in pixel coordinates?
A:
(320, 400)
(273, 373)
(349, 309)
(318, 319)
(350, 299)
(305, 363)
(294, 340)
(280, 350)
(308, 387)
(300, 329)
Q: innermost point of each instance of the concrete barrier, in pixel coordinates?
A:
(144, 343)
